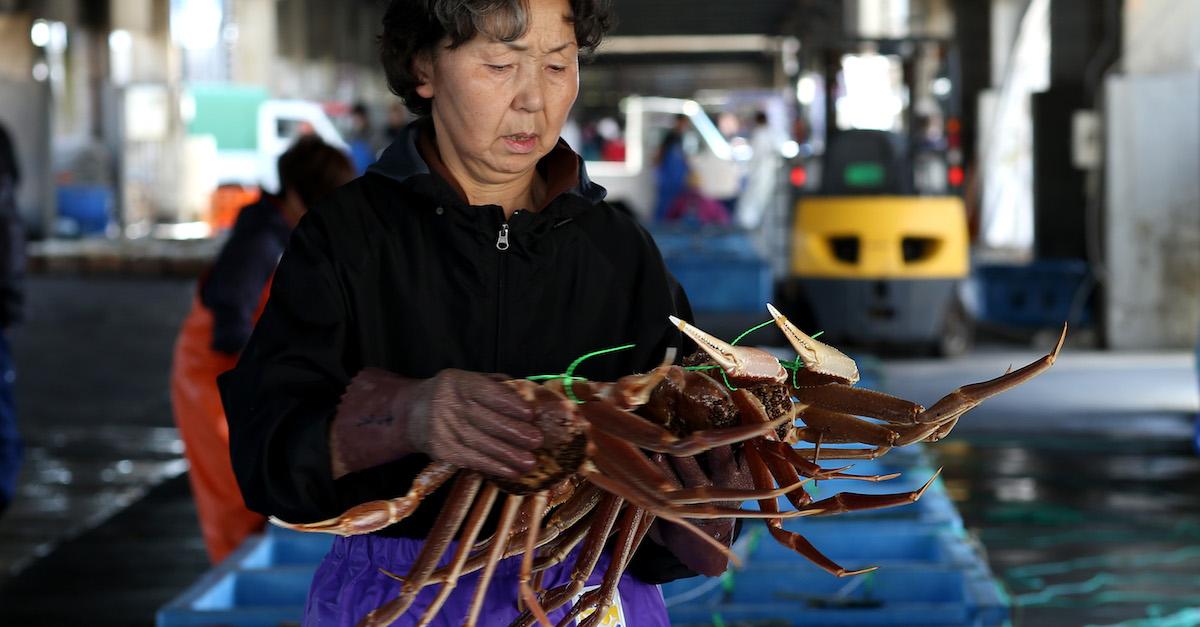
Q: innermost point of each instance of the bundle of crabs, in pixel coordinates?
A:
(601, 478)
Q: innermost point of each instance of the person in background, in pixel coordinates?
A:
(671, 168)
(12, 270)
(762, 178)
(613, 148)
(360, 138)
(397, 120)
(229, 299)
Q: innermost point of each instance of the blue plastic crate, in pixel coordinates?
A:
(723, 284)
(1035, 295)
(860, 544)
(898, 596)
(241, 598)
(264, 583)
(83, 209)
(712, 242)
(285, 548)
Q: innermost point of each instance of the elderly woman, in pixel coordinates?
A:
(475, 245)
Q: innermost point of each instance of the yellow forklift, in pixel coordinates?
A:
(879, 250)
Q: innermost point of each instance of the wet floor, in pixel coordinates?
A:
(1082, 484)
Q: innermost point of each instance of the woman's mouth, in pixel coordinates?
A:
(521, 143)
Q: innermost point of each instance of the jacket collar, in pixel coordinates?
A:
(403, 162)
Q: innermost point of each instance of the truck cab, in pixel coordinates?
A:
(630, 182)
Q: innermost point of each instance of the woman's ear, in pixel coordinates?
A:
(423, 69)
(293, 207)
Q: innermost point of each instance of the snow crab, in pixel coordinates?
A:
(601, 474)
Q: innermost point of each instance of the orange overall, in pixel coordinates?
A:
(224, 519)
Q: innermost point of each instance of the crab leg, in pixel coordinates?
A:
(652, 437)
(375, 515)
(935, 422)
(634, 470)
(644, 501)
(809, 454)
(612, 577)
(483, 505)
(781, 471)
(630, 535)
(965, 398)
(507, 515)
(560, 521)
(835, 427)
(447, 523)
(802, 465)
(597, 533)
(701, 495)
(859, 402)
(794, 541)
(576, 507)
(536, 508)
(558, 551)
(855, 502)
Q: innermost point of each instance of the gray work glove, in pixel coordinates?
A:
(468, 419)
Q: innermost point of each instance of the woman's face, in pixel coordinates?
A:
(498, 106)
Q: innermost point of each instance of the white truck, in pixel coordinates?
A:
(251, 130)
(647, 120)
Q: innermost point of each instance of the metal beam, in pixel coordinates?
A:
(689, 44)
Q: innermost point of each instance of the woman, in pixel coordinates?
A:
(475, 245)
(228, 301)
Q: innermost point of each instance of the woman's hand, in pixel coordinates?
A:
(468, 419)
(473, 421)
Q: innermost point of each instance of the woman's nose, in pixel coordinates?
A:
(530, 96)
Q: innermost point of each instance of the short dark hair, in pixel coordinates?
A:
(415, 27)
(313, 169)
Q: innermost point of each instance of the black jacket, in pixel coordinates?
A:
(233, 287)
(395, 271)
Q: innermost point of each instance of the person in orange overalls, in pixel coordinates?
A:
(228, 301)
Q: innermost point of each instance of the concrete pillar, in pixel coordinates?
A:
(1076, 34)
(256, 47)
(972, 36)
(1152, 225)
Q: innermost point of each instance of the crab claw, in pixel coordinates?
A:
(817, 356)
(741, 364)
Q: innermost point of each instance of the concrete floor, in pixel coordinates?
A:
(1081, 484)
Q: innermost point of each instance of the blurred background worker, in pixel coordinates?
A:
(361, 138)
(763, 175)
(671, 168)
(228, 302)
(12, 265)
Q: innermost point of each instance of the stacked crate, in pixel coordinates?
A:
(1041, 294)
(720, 269)
(262, 584)
(928, 573)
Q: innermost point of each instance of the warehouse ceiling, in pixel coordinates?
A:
(722, 17)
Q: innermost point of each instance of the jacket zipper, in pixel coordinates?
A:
(502, 240)
(502, 245)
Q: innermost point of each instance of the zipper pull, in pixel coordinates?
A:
(502, 241)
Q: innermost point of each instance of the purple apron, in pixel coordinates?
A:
(348, 585)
